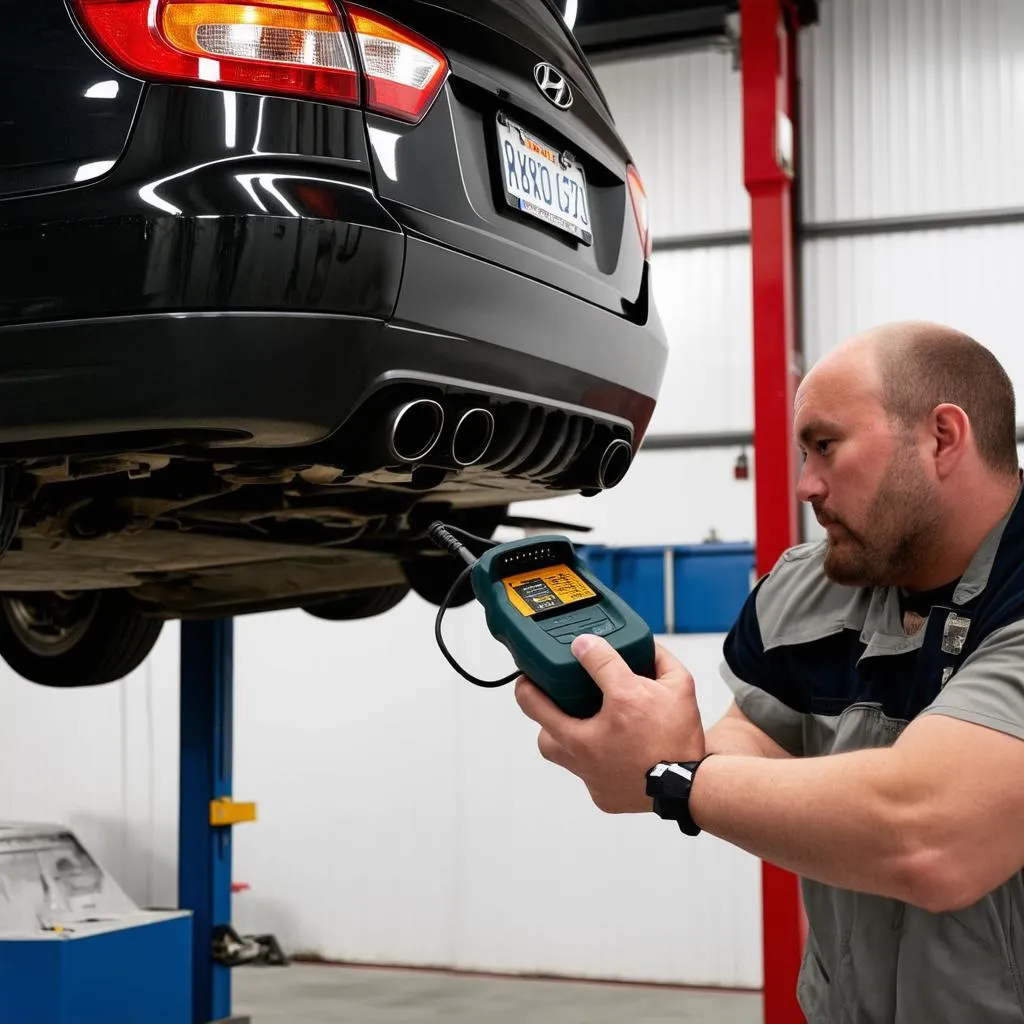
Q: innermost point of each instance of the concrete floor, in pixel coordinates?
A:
(309, 994)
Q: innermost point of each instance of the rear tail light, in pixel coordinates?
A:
(403, 71)
(283, 46)
(638, 194)
(298, 47)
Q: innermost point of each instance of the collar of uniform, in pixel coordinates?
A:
(883, 624)
(975, 579)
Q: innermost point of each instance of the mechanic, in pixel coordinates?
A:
(874, 744)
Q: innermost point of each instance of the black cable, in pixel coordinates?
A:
(485, 541)
(487, 683)
(444, 538)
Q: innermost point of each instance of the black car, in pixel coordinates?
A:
(284, 281)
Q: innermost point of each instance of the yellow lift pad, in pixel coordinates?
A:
(225, 811)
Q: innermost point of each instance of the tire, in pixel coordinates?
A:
(433, 576)
(70, 641)
(359, 604)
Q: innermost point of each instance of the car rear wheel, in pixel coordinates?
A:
(433, 576)
(71, 640)
(359, 604)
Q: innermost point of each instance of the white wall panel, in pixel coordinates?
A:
(705, 301)
(913, 107)
(669, 497)
(432, 831)
(681, 117)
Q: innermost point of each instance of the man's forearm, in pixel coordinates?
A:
(832, 819)
(734, 733)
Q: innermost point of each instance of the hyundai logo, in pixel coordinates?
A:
(553, 84)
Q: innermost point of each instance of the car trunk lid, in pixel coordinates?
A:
(504, 166)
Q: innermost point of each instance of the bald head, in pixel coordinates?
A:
(910, 458)
(914, 366)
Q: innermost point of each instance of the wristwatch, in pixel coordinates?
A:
(669, 782)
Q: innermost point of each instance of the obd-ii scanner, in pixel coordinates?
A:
(538, 597)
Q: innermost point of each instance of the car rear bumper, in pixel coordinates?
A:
(258, 379)
(285, 379)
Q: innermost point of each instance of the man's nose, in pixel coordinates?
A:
(810, 486)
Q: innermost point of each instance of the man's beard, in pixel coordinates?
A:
(903, 523)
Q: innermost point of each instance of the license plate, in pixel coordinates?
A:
(544, 183)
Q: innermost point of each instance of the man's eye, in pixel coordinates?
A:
(823, 446)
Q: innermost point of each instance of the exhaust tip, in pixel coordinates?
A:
(472, 436)
(415, 429)
(615, 463)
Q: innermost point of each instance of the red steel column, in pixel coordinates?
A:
(768, 53)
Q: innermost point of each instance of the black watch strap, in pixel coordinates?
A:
(670, 783)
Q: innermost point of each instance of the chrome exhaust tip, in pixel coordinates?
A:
(472, 436)
(614, 464)
(415, 429)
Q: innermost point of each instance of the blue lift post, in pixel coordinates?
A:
(204, 849)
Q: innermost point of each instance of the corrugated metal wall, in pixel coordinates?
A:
(682, 119)
(968, 278)
(913, 107)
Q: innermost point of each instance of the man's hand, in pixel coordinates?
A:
(641, 721)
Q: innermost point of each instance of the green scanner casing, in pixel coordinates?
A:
(540, 642)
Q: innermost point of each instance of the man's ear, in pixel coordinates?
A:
(950, 434)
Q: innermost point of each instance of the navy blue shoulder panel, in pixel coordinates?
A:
(1002, 601)
(827, 675)
(744, 648)
(745, 655)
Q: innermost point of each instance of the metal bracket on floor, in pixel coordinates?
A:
(233, 950)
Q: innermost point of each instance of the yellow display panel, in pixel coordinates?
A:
(543, 589)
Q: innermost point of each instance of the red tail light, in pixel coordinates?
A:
(638, 194)
(404, 72)
(296, 47)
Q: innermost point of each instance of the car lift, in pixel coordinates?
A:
(207, 812)
(771, 129)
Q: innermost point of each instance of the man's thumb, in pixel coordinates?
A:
(602, 662)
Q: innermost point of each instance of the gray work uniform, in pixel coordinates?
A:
(822, 668)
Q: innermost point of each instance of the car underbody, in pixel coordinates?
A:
(192, 530)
